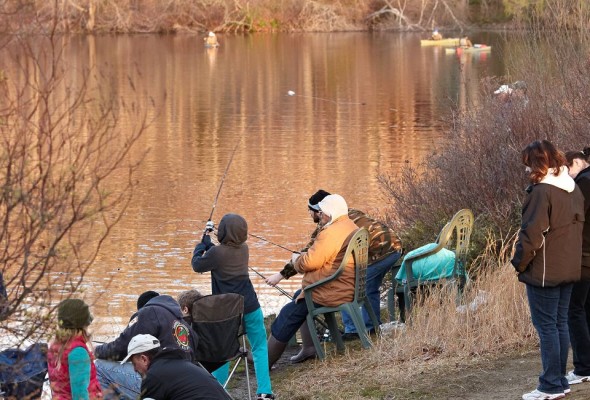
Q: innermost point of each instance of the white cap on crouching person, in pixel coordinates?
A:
(140, 344)
(335, 206)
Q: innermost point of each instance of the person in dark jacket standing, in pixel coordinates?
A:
(160, 317)
(168, 375)
(228, 264)
(579, 311)
(547, 259)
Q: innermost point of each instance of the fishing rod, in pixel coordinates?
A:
(223, 178)
(270, 242)
(283, 292)
(292, 94)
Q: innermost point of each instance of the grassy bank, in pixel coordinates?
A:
(437, 336)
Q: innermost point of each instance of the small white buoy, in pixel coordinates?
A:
(291, 93)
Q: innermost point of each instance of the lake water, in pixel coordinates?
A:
(364, 104)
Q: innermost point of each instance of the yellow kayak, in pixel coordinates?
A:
(441, 42)
(477, 48)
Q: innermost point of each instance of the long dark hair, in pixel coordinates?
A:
(583, 155)
(541, 156)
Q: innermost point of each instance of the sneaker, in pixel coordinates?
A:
(574, 379)
(538, 395)
(265, 396)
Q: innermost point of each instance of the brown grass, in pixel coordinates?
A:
(436, 335)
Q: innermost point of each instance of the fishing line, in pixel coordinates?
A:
(293, 94)
(271, 242)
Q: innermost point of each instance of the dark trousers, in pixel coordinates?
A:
(579, 327)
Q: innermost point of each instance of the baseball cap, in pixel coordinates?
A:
(140, 344)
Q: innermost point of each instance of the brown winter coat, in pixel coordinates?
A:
(549, 246)
(323, 258)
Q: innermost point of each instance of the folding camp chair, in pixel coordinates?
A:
(22, 372)
(219, 322)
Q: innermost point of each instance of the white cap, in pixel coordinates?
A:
(503, 89)
(211, 34)
(335, 206)
(139, 344)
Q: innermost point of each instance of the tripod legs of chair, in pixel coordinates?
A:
(222, 372)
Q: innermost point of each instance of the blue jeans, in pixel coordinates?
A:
(118, 381)
(256, 334)
(290, 319)
(375, 274)
(549, 308)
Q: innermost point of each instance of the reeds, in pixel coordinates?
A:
(493, 319)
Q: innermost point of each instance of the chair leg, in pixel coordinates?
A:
(335, 332)
(391, 304)
(408, 298)
(314, 337)
(359, 323)
(372, 315)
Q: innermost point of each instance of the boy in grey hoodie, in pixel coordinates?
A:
(228, 264)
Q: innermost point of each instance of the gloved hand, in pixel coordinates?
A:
(210, 226)
(207, 241)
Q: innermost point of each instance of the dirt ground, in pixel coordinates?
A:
(505, 377)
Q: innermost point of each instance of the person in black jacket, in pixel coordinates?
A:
(547, 259)
(579, 310)
(160, 317)
(168, 375)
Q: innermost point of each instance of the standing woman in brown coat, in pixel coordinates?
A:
(547, 258)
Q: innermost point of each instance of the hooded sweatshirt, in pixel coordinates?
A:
(549, 246)
(160, 317)
(228, 262)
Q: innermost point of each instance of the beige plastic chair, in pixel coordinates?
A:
(359, 249)
(454, 236)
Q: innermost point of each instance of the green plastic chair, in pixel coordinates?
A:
(359, 249)
(454, 236)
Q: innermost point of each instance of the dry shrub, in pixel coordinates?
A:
(480, 166)
(494, 319)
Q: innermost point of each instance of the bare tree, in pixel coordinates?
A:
(62, 145)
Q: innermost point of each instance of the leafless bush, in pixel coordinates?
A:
(480, 165)
(61, 146)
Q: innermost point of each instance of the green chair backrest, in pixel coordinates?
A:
(359, 249)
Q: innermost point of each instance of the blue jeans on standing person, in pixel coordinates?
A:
(375, 274)
(549, 308)
(579, 326)
(256, 334)
(118, 381)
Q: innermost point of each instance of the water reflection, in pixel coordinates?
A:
(366, 103)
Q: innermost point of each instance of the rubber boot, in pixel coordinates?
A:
(275, 350)
(307, 348)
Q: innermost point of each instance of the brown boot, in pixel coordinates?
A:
(307, 348)
(275, 350)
